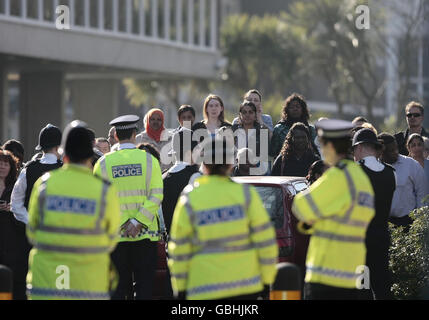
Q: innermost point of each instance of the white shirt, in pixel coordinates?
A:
(411, 186)
(373, 164)
(20, 188)
(178, 166)
(127, 145)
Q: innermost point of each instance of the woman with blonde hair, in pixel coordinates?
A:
(214, 116)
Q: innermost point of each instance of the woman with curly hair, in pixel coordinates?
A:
(296, 155)
(294, 110)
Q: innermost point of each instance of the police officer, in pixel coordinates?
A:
(366, 146)
(338, 207)
(137, 176)
(49, 142)
(222, 241)
(73, 225)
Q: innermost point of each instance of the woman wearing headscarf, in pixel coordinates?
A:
(156, 134)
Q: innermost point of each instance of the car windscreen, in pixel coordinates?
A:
(272, 198)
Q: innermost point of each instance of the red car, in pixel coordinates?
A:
(277, 194)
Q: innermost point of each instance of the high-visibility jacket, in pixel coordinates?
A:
(73, 226)
(340, 205)
(222, 241)
(137, 176)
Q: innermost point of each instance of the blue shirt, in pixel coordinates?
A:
(411, 186)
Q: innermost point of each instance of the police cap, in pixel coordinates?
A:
(366, 135)
(333, 128)
(125, 122)
(49, 137)
(77, 142)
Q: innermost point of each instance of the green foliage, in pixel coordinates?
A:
(409, 257)
(343, 55)
(263, 53)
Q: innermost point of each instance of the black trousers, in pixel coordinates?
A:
(377, 260)
(404, 221)
(317, 291)
(135, 262)
(20, 263)
(14, 251)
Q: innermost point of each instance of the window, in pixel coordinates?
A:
(272, 198)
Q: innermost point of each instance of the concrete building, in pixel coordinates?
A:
(54, 72)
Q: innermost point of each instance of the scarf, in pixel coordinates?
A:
(154, 134)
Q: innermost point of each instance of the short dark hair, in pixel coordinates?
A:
(91, 134)
(185, 108)
(125, 134)
(148, 147)
(341, 145)
(386, 137)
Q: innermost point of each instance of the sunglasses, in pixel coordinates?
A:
(415, 115)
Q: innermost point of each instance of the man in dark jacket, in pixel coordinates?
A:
(382, 177)
(414, 112)
(49, 142)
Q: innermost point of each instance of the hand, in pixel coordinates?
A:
(124, 229)
(259, 116)
(133, 230)
(5, 207)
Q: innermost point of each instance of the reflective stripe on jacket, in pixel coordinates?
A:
(137, 177)
(340, 205)
(73, 226)
(222, 241)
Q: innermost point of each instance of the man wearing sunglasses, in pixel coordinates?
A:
(414, 112)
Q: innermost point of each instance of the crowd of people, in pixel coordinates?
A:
(397, 165)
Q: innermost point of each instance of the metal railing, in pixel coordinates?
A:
(182, 23)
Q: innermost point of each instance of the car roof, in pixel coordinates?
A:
(267, 179)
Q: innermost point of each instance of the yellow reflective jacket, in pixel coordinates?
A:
(73, 226)
(137, 177)
(222, 241)
(340, 204)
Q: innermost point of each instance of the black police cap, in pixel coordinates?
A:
(333, 128)
(125, 122)
(77, 142)
(49, 137)
(365, 135)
